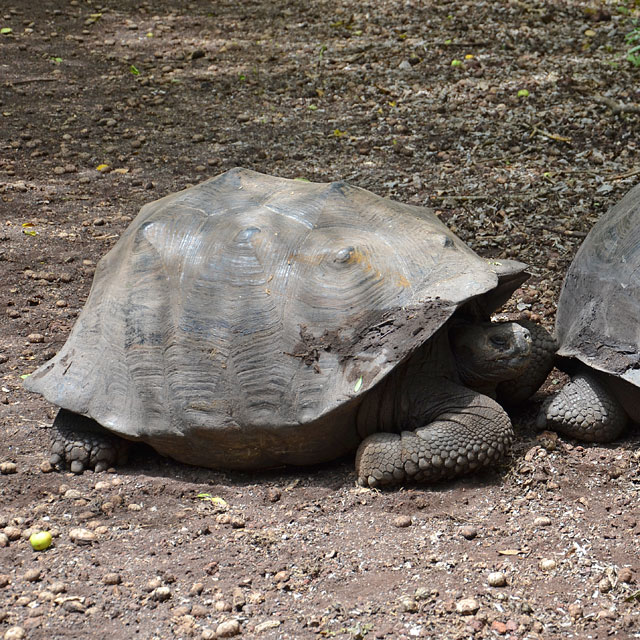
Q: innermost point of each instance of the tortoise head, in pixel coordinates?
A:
(489, 352)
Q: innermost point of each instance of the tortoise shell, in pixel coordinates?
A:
(257, 303)
(598, 319)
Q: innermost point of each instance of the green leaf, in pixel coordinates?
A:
(134, 70)
(358, 385)
(24, 376)
(55, 59)
(523, 93)
(313, 107)
(6, 30)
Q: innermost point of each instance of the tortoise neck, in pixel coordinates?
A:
(413, 392)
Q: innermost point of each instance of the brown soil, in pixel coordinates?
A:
(166, 94)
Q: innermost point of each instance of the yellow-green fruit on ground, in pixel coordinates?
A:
(40, 540)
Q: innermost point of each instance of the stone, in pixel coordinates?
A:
(402, 521)
(81, 536)
(228, 629)
(467, 606)
(625, 574)
(468, 532)
(497, 579)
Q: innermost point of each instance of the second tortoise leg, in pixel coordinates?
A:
(80, 443)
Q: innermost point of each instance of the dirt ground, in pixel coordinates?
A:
(519, 146)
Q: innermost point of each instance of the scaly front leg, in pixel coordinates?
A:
(473, 432)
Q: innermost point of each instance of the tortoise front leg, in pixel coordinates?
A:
(81, 443)
(584, 409)
(473, 432)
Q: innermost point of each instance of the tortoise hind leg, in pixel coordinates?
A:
(81, 443)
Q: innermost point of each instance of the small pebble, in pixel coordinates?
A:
(422, 593)
(467, 606)
(7, 468)
(625, 574)
(154, 583)
(409, 605)
(402, 522)
(208, 634)
(112, 578)
(605, 585)
(547, 564)
(13, 533)
(4, 580)
(281, 576)
(14, 633)
(499, 627)
(575, 610)
(222, 605)
(82, 536)
(228, 629)
(237, 522)
(4, 540)
(35, 338)
(74, 606)
(161, 594)
(196, 589)
(199, 611)
(497, 579)
(32, 575)
(58, 587)
(542, 521)
(266, 625)
(468, 532)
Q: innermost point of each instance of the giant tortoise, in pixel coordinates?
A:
(598, 330)
(254, 321)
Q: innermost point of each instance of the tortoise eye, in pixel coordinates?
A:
(344, 255)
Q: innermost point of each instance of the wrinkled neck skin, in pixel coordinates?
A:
(414, 393)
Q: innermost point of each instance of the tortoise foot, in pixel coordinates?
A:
(444, 449)
(584, 409)
(80, 443)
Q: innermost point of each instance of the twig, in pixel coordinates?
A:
(551, 136)
(501, 196)
(626, 174)
(617, 107)
(28, 80)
